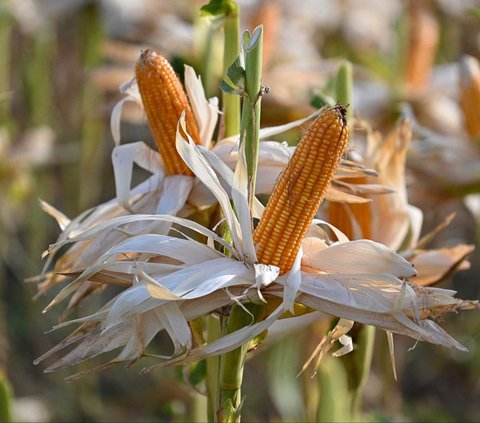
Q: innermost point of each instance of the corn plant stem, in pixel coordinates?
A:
(363, 362)
(197, 405)
(5, 388)
(233, 362)
(250, 125)
(36, 91)
(6, 395)
(210, 72)
(207, 61)
(5, 119)
(357, 363)
(197, 408)
(36, 64)
(5, 35)
(282, 363)
(93, 124)
(213, 364)
(231, 102)
(334, 395)
(344, 88)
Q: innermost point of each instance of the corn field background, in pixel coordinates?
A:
(61, 65)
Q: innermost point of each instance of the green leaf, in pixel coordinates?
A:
(197, 373)
(253, 39)
(236, 73)
(218, 8)
(227, 88)
(320, 99)
(255, 342)
(245, 40)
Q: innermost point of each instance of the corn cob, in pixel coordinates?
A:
(268, 14)
(300, 190)
(340, 215)
(470, 94)
(164, 100)
(422, 48)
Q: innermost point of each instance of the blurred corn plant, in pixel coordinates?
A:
(30, 166)
(17, 161)
(458, 151)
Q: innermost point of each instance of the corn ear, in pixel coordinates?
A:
(470, 94)
(164, 100)
(268, 14)
(300, 189)
(422, 47)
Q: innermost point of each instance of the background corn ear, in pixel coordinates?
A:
(424, 36)
(341, 215)
(470, 94)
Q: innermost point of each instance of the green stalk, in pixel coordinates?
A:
(226, 13)
(231, 102)
(197, 407)
(250, 129)
(233, 362)
(93, 124)
(6, 392)
(207, 59)
(5, 35)
(344, 88)
(333, 389)
(362, 360)
(209, 46)
(356, 366)
(213, 365)
(285, 390)
(38, 68)
(37, 91)
(357, 363)
(6, 395)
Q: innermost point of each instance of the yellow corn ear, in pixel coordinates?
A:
(300, 189)
(268, 14)
(422, 46)
(164, 100)
(341, 215)
(470, 94)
